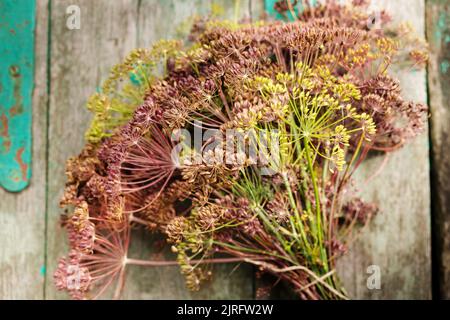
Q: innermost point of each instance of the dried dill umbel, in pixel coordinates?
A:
(318, 89)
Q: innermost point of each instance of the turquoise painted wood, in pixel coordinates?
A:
(17, 23)
(269, 6)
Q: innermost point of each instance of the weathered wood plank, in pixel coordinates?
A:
(257, 9)
(438, 34)
(398, 239)
(80, 60)
(22, 215)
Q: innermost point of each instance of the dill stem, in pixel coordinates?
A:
(267, 222)
(297, 215)
(316, 192)
(138, 220)
(166, 263)
(355, 155)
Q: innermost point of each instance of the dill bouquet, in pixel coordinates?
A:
(239, 145)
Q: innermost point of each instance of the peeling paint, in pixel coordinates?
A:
(441, 32)
(43, 270)
(17, 108)
(23, 166)
(445, 66)
(4, 134)
(4, 130)
(16, 88)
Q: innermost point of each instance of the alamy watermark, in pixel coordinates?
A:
(374, 280)
(73, 17)
(228, 147)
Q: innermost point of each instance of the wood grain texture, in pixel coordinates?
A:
(398, 240)
(438, 34)
(22, 215)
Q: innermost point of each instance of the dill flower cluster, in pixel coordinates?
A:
(239, 144)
